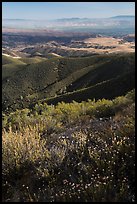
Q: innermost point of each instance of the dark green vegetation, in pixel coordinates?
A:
(71, 152)
(26, 81)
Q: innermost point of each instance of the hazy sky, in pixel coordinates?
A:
(55, 10)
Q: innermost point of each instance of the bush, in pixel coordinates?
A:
(70, 152)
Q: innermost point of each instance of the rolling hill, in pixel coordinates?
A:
(26, 81)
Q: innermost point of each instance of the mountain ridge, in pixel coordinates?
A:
(77, 18)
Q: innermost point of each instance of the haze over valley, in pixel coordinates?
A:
(70, 36)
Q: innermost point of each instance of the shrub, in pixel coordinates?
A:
(18, 148)
(67, 153)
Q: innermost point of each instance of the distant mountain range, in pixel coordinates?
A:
(120, 16)
(120, 22)
(123, 16)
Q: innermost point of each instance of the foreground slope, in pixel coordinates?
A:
(70, 152)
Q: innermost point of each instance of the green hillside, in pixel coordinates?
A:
(116, 65)
(27, 81)
(107, 89)
(30, 60)
(10, 66)
(10, 60)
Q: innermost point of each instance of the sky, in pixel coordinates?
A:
(57, 10)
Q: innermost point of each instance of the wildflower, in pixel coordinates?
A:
(77, 185)
(65, 181)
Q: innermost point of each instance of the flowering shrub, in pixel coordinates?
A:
(77, 152)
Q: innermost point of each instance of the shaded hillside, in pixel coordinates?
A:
(107, 89)
(40, 37)
(116, 65)
(102, 76)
